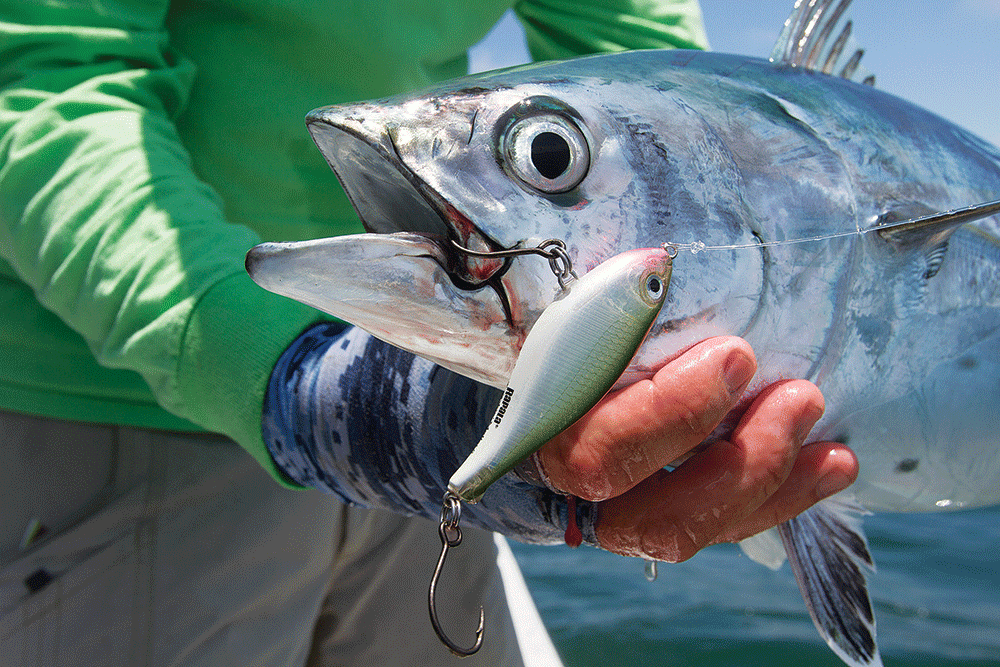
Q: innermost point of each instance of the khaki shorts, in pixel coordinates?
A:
(159, 548)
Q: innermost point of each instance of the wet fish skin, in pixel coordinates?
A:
(725, 150)
(902, 334)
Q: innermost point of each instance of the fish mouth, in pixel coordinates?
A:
(390, 198)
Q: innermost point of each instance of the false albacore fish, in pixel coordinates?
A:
(893, 311)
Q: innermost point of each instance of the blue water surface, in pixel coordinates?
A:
(936, 595)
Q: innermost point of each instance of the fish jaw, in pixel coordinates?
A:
(371, 147)
(394, 287)
(469, 314)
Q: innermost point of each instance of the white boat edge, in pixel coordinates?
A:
(537, 649)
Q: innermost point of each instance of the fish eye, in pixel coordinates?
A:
(654, 287)
(546, 152)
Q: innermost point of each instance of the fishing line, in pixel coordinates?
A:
(698, 246)
(895, 230)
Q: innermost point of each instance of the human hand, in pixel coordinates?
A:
(760, 476)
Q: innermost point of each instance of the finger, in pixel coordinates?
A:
(821, 470)
(670, 516)
(634, 432)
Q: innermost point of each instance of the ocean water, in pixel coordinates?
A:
(936, 596)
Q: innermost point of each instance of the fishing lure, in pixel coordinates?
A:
(574, 353)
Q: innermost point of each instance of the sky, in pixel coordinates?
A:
(941, 54)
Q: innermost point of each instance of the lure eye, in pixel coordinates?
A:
(547, 152)
(654, 288)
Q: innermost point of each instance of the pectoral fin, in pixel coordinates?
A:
(829, 555)
(914, 225)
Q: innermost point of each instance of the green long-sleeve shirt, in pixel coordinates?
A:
(146, 145)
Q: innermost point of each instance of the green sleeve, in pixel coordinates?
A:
(558, 29)
(102, 216)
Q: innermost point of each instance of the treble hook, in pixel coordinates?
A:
(451, 536)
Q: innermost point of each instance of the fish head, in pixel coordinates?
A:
(602, 163)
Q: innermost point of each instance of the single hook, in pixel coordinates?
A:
(451, 536)
(553, 250)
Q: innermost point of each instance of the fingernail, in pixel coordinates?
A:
(737, 371)
(831, 483)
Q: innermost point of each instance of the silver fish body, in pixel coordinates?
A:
(573, 355)
(900, 330)
(902, 338)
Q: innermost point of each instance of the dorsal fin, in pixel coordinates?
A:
(817, 36)
(900, 227)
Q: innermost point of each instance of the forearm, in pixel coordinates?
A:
(351, 415)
